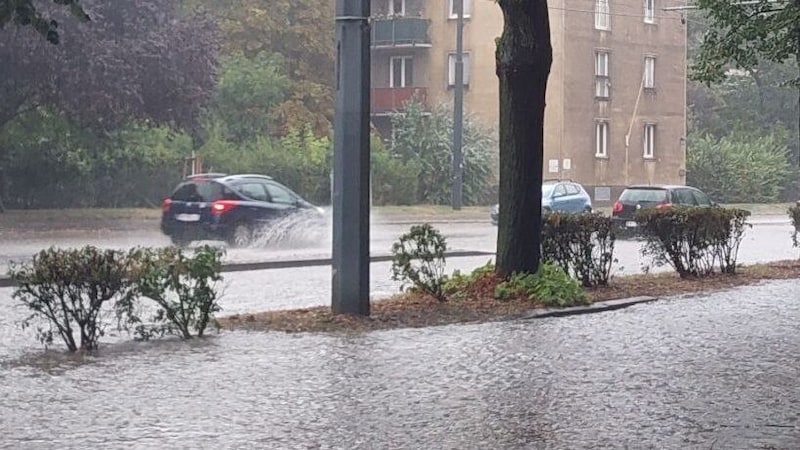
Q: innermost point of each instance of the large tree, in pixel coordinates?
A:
(136, 60)
(742, 35)
(524, 57)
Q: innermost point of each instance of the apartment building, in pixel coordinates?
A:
(616, 100)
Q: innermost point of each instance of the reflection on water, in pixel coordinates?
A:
(690, 373)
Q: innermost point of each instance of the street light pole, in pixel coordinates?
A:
(351, 160)
(458, 111)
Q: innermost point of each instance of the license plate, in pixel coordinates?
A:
(631, 224)
(187, 217)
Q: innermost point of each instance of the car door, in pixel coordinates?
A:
(560, 201)
(256, 207)
(574, 198)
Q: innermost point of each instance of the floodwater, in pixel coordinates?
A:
(716, 371)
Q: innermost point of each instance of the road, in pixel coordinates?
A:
(714, 371)
(768, 240)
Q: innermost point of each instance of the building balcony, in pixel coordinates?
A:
(387, 100)
(400, 32)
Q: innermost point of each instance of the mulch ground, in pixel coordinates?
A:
(479, 305)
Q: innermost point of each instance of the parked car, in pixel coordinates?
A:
(636, 198)
(228, 207)
(557, 195)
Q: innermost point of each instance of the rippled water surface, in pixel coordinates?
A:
(717, 371)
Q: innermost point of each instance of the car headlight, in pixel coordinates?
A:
(319, 210)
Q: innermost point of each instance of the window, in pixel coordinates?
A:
(280, 194)
(253, 190)
(573, 190)
(649, 72)
(683, 197)
(451, 71)
(649, 140)
(200, 191)
(601, 139)
(401, 71)
(602, 15)
(701, 198)
(602, 81)
(397, 7)
(559, 191)
(649, 11)
(453, 4)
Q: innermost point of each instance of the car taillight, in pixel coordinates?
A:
(165, 205)
(222, 206)
(664, 204)
(617, 207)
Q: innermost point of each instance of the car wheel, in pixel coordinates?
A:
(587, 209)
(241, 235)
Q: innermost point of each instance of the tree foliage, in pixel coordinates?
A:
(25, 13)
(423, 141)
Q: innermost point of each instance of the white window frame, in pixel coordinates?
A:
(601, 128)
(649, 11)
(451, 10)
(602, 15)
(602, 80)
(404, 82)
(402, 8)
(649, 72)
(451, 68)
(649, 141)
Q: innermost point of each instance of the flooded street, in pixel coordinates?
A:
(714, 371)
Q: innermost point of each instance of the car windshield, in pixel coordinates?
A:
(644, 195)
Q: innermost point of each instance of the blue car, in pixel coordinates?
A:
(558, 196)
(231, 208)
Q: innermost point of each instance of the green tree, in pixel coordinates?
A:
(25, 13)
(742, 35)
(423, 140)
(524, 57)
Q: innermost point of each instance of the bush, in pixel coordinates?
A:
(693, 240)
(581, 245)
(394, 181)
(183, 289)
(794, 214)
(418, 261)
(550, 286)
(458, 284)
(67, 289)
(739, 168)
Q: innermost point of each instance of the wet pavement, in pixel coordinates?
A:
(715, 371)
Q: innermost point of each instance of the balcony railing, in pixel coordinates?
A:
(400, 32)
(388, 99)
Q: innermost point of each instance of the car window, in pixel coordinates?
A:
(701, 198)
(573, 190)
(559, 191)
(256, 191)
(643, 195)
(280, 194)
(199, 191)
(683, 197)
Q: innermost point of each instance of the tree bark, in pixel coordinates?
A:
(524, 57)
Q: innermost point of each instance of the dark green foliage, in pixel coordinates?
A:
(693, 240)
(794, 215)
(25, 13)
(739, 168)
(581, 245)
(66, 291)
(424, 140)
(182, 287)
(458, 283)
(550, 286)
(418, 261)
(394, 181)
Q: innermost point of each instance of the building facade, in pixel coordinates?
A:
(616, 100)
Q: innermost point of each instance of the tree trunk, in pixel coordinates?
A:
(524, 56)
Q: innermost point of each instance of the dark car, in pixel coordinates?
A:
(636, 198)
(558, 196)
(228, 207)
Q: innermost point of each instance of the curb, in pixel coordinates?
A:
(295, 263)
(610, 305)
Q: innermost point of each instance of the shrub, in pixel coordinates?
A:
(692, 240)
(418, 260)
(580, 244)
(183, 289)
(68, 289)
(550, 286)
(794, 214)
(459, 284)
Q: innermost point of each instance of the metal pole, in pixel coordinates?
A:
(458, 111)
(350, 290)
